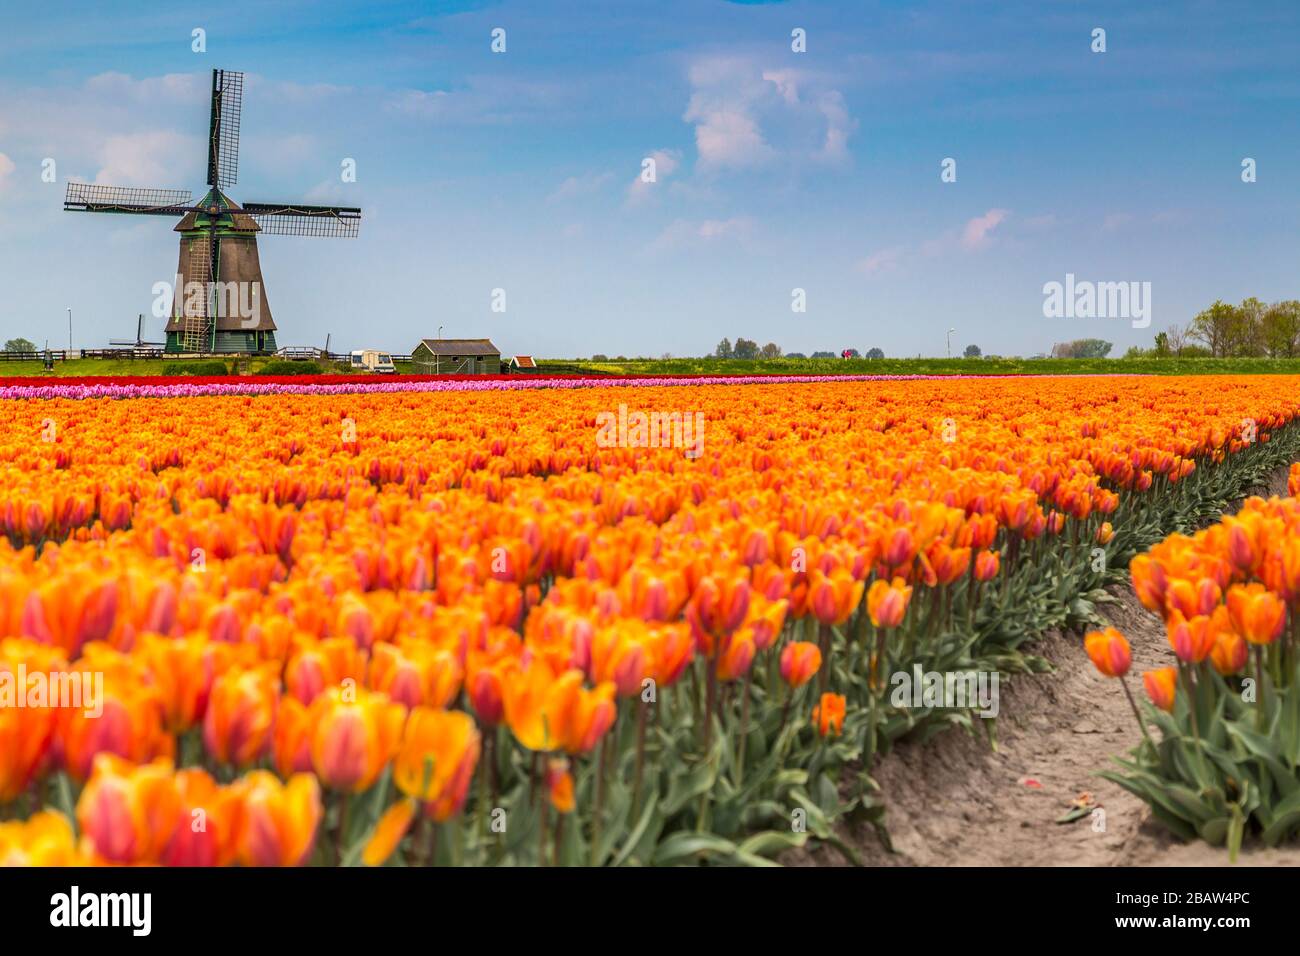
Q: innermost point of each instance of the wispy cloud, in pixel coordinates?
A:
(666, 163)
(684, 233)
(975, 235)
(977, 232)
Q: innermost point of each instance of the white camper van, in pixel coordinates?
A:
(372, 360)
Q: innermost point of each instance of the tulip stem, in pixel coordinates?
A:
(343, 829)
(740, 746)
(541, 842)
(641, 712)
(597, 818)
(1259, 677)
(1136, 713)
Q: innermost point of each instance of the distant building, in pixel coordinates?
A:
(456, 357)
(520, 362)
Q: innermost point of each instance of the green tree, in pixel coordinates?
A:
(770, 351)
(972, 351)
(1218, 328)
(724, 350)
(1082, 348)
(875, 353)
(19, 345)
(1280, 328)
(745, 349)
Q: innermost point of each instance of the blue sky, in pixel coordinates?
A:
(776, 170)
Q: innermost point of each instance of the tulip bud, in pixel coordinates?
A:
(1109, 652)
(800, 660)
(1161, 686)
(828, 715)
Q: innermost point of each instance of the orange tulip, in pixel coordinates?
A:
(828, 715)
(436, 760)
(388, 832)
(130, 726)
(415, 674)
(887, 602)
(833, 597)
(1258, 615)
(800, 660)
(618, 655)
(987, 565)
(182, 670)
(277, 822)
(26, 736)
(1161, 686)
(291, 738)
(128, 812)
(1109, 652)
(1191, 640)
(205, 832)
(354, 735)
(1150, 582)
(736, 656)
(44, 839)
(1230, 652)
(670, 648)
(559, 785)
(484, 690)
(546, 712)
(319, 665)
(240, 715)
(719, 606)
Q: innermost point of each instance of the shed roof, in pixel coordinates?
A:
(460, 346)
(525, 361)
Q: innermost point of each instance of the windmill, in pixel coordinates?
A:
(220, 297)
(139, 342)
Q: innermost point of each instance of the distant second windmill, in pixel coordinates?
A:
(220, 303)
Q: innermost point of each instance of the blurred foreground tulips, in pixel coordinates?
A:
(1225, 767)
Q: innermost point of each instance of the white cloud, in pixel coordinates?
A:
(667, 162)
(728, 138)
(578, 186)
(171, 87)
(684, 233)
(145, 159)
(746, 116)
(884, 261)
(976, 233)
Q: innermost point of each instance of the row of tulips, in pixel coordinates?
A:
(1226, 763)
(415, 628)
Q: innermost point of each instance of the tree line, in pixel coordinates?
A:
(1252, 329)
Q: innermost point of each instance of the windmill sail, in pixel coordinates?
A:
(92, 197)
(289, 219)
(223, 128)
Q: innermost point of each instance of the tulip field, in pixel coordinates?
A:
(451, 623)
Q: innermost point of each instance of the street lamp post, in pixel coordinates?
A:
(950, 332)
(69, 331)
(437, 356)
